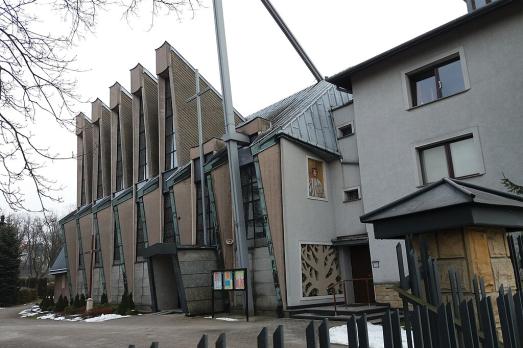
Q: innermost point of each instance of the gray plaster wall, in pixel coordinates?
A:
(388, 132)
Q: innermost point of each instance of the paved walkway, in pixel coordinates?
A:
(173, 330)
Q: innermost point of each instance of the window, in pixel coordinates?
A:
(436, 82)
(168, 225)
(119, 167)
(117, 245)
(97, 250)
(170, 139)
(82, 183)
(345, 131)
(142, 156)
(475, 4)
(254, 218)
(141, 232)
(351, 194)
(99, 184)
(199, 215)
(456, 158)
(80, 258)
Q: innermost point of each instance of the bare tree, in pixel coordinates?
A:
(36, 81)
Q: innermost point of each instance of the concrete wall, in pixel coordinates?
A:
(388, 131)
(166, 289)
(264, 291)
(305, 220)
(271, 175)
(86, 230)
(72, 252)
(128, 231)
(60, 286)
(182, 194)
(222, 194)
(106, 230)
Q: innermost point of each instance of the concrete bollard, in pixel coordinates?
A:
(89, 305)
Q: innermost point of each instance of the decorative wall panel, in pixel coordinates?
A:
(319, 270)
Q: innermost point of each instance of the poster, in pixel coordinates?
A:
(239, 280)
(227, 280)
(316, 179)
(217, 280)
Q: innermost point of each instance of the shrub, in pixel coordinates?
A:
(131, 302)
(47, 303)
(83, 300)
(123, 306)
(26, 295)
(76, 303)
(103, 299)
(71, 303)
(60, 304)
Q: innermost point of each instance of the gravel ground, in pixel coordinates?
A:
(174, 330)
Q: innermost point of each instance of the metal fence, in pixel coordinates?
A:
(464, 321)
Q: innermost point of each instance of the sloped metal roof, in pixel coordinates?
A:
(448, 203)
(305, 116)
(59, 265)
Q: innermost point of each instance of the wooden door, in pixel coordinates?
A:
(362, 274)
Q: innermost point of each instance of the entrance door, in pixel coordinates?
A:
(362, 274)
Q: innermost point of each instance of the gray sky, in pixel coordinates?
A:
(264, 67)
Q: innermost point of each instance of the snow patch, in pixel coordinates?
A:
(223, 318)
(30, 312)
(105, 317)
(338, 335)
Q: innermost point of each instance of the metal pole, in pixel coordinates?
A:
(200, 142)
(285, 29)
(232, 137)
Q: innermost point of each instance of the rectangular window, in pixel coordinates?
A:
(437, 81)
(168, 225)
(117, 257)
(82, 183)
(80, 259)
(142, 149)
(99, 183)
(351, 194)
(254, 218)
(119, 166)
(170, 138)
(345, 131)
(141, 232)
(456, 158)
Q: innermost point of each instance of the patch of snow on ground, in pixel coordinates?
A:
(105, 317)
(30, 312)
(223, 318)
(338, 335)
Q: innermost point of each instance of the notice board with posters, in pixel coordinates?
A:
(230, 280)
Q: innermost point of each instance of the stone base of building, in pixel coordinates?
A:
(385, 293)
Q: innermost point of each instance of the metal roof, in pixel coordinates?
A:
(305, 116)
(446, 204)
(344, 78)
(59, 265)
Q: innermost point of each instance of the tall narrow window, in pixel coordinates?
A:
(168, 225)
(437, 81)
(142, 156)
(199, 215)
(170, 139)
(97, 250)
(82, 182)
(99, 183)
(117, 257)
(254, 219)
(80, 258)
(141, 232)
(119, 166)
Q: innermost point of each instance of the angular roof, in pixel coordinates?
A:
(59, 265)
(446, 204)
(305, 116)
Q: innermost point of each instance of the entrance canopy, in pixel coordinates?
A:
(446, 204)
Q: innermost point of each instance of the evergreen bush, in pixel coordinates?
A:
(131, 302)
(123, 306)
(76, 303)
(9, 265)
(103, 299)
(83, 300)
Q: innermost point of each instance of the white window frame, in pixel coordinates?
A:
(325, 186)
(443, 138)
(338, 131)
(345, 190)
(426, 63)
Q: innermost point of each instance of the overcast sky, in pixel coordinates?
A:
(264, 67)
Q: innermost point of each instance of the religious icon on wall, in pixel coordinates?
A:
(217, 280)
(239, 279)
(316, 175)
(228, 280)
